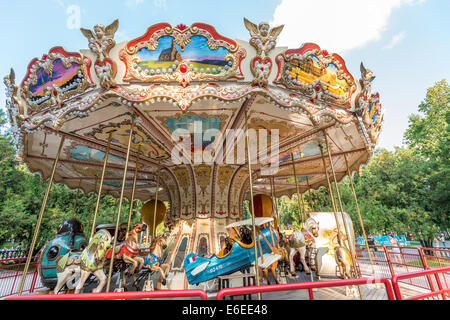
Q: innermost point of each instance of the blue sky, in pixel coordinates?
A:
(406, 43)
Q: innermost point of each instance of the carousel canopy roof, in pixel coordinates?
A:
(193, 80)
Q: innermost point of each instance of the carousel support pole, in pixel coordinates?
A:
(300, 200)
(338, 195)
(331, 194)
(134, 189)
(156, 199)
(350, 246)
(76, 199)
(92, 204)
(252, 206)
(99, 194)
(124, 180)
(311, 204)
(359, 215)
(300, 204)
(39, 221)
(274, 201)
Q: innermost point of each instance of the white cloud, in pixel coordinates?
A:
(336, 26)
(133, 3)
(159, 4)
(395, 39)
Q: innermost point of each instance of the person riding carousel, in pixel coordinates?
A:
(245, 235)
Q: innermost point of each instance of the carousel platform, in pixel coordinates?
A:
(369, 292)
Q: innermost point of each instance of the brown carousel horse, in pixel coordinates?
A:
(154, 260)
(343, 256)
(128, 250)
(276, 249)
(344, 261)
(273, 267)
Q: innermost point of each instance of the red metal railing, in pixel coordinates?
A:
(11, 271)
(439, 274)
(305, 286)
(118, 295)
(389, 261)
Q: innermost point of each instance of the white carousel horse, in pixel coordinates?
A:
(91, 260)
(298, 242)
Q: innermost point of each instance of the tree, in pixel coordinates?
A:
(22, 195)
(428, 135)
(407, 190)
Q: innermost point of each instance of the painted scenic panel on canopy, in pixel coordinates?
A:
(85, 153)
(308, 149)
(114, 183)
(316, 73)
(292, 179)
(169, 54)
(57, 74)
(205, 127)
(307, 71)
(60, 76)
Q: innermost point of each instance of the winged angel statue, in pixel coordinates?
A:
(102, 39)
(100, 42)
(263, 38)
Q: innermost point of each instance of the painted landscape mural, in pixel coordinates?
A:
(168, 54)
(193, 123)
(64, 78)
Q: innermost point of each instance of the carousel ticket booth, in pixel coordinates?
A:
(187, 116)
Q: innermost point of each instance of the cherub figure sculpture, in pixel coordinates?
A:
(263, 38)
(100, 42)
(102, 39)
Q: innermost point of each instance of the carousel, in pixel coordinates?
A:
(186, 116)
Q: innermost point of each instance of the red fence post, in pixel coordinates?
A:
(33, 281)
(425, 267)
(388, 260)
(15, 278)
(443, 292)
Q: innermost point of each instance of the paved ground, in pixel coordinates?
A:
(369, 292)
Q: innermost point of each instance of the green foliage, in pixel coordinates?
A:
(403, 191)
(22, 194)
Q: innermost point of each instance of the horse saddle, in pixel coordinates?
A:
(67, 260)
(120, 250)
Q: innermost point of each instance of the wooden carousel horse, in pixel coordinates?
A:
(154, 260)
(298, 242)
(91, 260)
(343, 257)
(344, 261)
(284, 263)
(284, 260)
(128, 251)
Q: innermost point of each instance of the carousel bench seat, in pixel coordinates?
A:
(269, 259)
